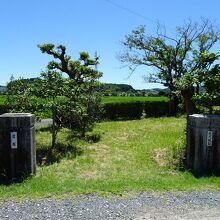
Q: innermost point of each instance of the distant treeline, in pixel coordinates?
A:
(114, 89)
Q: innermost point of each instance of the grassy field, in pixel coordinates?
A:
(130, 157)
(114, 99)
(110, 99)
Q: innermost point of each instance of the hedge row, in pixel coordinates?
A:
(129, 110)
(136, 110)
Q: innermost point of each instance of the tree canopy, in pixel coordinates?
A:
(83, 104)
(72, 101)
(78, 70)
(178, 60)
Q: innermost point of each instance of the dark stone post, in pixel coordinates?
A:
(17, 145)
(203, 144)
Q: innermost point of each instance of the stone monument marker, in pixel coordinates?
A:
(17, 145)
(203, 144)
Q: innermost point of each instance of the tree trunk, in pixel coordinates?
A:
(53, 132)
(176, 103)
(189, 104)
(174, 98)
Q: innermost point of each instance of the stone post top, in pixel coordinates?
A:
(16, 120)
(17, 115)
(204, 116)
(204, 120)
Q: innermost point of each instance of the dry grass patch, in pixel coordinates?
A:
(124, 136)
(106, 161)
(160, 156)
(91, 175)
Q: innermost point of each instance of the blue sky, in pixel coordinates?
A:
(89, 25)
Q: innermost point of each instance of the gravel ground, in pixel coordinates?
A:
(179, 205)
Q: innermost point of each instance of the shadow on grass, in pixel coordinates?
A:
(7, 181)
(89, 137)
(45, 157)
(48, 156)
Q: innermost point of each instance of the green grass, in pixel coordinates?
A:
(132, 156)
(113, 99)
(116, 99)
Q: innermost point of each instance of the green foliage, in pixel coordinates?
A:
(137, 110)
(82, 109)
(158, 109)
(4, 108)
(49, 88)
(130, 110)
(72, 105)
(82, 104)
(80, 72)
(111, 89)
(2, 99)
(20, 98)
(177, 59)
(84, 56)
(210, 96)
(71, 101)
(47, 47)
(37, 96)
(46, 112)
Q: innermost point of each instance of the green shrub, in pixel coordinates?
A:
(135, 110)
(157, 109)
(4, 108)
(130, 110)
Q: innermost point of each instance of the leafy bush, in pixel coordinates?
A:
(4, 108)
(135, 110)
(130, 110)
(156, 109)
(210, 96)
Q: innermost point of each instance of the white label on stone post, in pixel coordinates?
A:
(209, 138)
(14, 141)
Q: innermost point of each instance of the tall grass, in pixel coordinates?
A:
(130, 156)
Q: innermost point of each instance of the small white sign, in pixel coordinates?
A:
(209, 138)
(14, 140)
